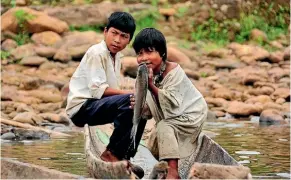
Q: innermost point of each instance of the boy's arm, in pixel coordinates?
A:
(111, 91)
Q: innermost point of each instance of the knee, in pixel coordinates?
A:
(123, 100)
(163, 128)
(77, 122)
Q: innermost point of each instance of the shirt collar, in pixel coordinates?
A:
(117, 56)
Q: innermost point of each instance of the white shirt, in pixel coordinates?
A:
(94, 74)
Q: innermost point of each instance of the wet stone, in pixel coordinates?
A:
(24, 134)
(8, 136)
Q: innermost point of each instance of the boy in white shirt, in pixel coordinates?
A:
(95, 98)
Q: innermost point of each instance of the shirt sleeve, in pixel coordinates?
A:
(96, 76)
(171, 97)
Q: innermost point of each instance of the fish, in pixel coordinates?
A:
(141, 86)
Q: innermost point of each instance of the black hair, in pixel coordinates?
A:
(122, 21)
(149, 38)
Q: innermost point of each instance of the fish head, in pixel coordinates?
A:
(142, 69)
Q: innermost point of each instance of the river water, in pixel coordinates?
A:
(264, 149)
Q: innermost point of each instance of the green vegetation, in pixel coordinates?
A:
(10, 3)
(146, 18)
(4, 55)
(96, 28)
(22, 38)
(184, 44)
(22, 17)
(203, 74)
(212, 31)
(273, 22)
(182, 11)
(208, 47)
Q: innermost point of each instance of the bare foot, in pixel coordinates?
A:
(108, 156)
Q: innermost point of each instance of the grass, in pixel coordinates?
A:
(273, 24)
(208, 47)
(146, 18)
(96, 28)
(4, 55)
(182, 11)
(22, 38)
(22, 17)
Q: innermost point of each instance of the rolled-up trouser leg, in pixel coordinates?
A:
(107, 110)
(112, 109)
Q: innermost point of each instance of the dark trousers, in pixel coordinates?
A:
(107, 110)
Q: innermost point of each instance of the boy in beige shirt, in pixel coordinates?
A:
(177, 106)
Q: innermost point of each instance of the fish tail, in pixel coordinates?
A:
(133, 135)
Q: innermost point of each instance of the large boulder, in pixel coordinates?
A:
(52, 117)
(45, 51)
(46, 96)
(175, 55)
(263, 99)
(8, 45)
(96, 14)
(276, 57)
(23, 51)
(250, 75)
(75, 45)
(217, 102)
(265, 90)
(29, 83)
(281, 93)
(39, 22)
(28, 117)
(33, 61)
(129, 66)
(243, 109)
(249, 53)
(271, 116)
(47, 38)
(222, 93)
(217, 171)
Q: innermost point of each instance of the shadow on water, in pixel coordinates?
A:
(264, 149)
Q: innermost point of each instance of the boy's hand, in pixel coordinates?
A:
(151, 75)
(128, 91)
(132, 101)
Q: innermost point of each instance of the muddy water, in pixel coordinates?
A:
(266, 150)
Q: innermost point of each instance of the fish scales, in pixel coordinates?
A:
(141, 86)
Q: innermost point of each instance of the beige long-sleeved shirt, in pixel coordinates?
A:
(94, 74)
(179, 118)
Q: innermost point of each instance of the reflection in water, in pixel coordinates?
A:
(267, 154)
(65, 155)
(264, 149)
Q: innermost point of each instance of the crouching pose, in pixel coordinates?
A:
(177, 106)
(95, 97)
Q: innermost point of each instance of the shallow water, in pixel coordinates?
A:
(265, 150)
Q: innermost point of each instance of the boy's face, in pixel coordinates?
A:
(151, 57)
(115, 39)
